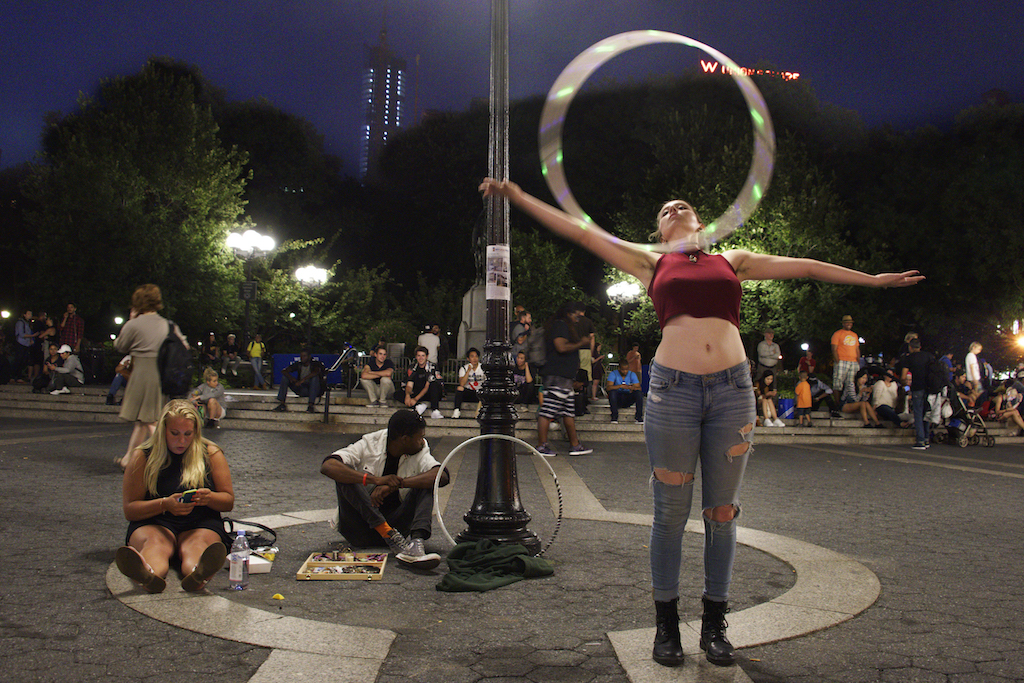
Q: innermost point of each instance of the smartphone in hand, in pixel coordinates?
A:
(188, 495)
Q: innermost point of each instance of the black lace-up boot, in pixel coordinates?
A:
(712, 634)
(668, 651)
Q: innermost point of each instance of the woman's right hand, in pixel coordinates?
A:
(173, 505)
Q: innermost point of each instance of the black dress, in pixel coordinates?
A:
(168, 483)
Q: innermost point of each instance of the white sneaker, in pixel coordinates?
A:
(56, 392)
(436, 415)
(417, 557)
(421, 408)
(779, 423)
(410, 552)
(456, 413)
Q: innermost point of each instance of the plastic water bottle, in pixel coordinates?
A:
(238, 569)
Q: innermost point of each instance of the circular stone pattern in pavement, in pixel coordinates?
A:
(829, 589)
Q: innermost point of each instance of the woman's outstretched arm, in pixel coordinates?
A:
(590, 236)
(751, 266)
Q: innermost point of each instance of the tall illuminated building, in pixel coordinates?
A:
(383, 95)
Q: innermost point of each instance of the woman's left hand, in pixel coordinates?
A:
(505, 188)
(905, 279)
(202, 496)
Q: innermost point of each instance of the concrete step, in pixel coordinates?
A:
(253, 410)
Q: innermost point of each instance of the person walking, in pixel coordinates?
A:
(141, 337)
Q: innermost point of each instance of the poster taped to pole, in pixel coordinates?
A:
(499, 273)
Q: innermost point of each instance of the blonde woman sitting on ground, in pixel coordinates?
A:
(175, 488)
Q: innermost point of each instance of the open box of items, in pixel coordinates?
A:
(343, 565)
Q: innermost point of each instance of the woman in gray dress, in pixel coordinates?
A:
(141, 337)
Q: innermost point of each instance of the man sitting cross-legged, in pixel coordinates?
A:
(385, 487)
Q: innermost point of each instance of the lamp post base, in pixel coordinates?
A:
(497, 513)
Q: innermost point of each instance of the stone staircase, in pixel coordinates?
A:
(253, 410)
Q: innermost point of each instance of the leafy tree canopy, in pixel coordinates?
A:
(135, 187)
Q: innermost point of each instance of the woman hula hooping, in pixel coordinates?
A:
(701, 400)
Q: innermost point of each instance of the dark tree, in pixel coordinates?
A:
(136, 187)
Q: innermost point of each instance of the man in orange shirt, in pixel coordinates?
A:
(846, 358)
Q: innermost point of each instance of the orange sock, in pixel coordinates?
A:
(384, 530)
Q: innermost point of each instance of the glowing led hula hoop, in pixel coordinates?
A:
(571, 80)
(502, 437)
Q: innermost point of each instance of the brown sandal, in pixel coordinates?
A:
(210, 562)
(131, 564)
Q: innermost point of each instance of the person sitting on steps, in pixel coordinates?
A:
(376, 378)
(305, 378)
(624, 391)
(423, 383)
(471, 378)
(210, 395)
(50, 365)
(122, 373)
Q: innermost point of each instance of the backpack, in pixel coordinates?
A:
(535, 352)
(936, 376)
(174, 361)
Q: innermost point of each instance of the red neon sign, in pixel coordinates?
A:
(713, 67)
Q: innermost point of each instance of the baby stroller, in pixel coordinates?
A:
(964, 426)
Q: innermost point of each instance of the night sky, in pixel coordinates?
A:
(899, 62)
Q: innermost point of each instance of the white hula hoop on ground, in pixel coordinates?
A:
(571, 80)
(503, 437)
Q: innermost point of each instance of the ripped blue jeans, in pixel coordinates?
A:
(710, 417)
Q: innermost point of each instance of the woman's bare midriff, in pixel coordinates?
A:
(700, 346)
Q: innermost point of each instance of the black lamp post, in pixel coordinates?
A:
(497, 513)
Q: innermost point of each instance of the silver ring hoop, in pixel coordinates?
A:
(503, 437)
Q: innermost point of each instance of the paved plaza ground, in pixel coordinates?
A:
(935, 535)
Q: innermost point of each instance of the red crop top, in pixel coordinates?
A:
(705, 288)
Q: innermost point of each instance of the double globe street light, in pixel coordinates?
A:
(312, 278)
(247, 246)
(622, 293)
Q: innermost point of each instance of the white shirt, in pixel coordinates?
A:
(476, 377)
(882, 395)
(431, 342)
(370, 453)
(973, 371)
